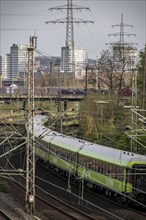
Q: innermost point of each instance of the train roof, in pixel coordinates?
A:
(111, 155)
(85, 148)
(56, 138)
(67, 142)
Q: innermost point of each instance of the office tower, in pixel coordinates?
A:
(80, 62)
(18, 61)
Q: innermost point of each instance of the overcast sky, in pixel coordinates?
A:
(21, 19)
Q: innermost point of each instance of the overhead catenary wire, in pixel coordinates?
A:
(15, 148)
(109, 213)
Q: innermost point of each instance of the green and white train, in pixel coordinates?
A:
(118, 173)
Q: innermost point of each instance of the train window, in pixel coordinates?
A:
(51, 149)
(80, 160)
(84, 158)
(109, 173)
(114, 175)
(120, 173)
(94, 165)
(67, 155)
(102, 167)
(107, 169)
(98, 169)
(90, 165)
(72, 157)
(97, 165)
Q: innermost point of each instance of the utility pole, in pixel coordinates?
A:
(144, 82)
(69, 59)
(30, 151)
(86, 80)
(134, 108)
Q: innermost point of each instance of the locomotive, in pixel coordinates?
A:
(119, 173)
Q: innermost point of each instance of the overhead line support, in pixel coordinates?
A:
(30, 148)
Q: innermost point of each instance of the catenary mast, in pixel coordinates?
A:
(30, 150)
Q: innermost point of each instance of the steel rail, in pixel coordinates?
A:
(6, 216)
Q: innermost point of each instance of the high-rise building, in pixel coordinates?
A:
(80, 61)
(18, 61)
(3, 66)
(125, 55)
(8, 74)
(66, 66)
(14, 65)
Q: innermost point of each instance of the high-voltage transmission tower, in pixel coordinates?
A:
(69, 58)
(122, 48)
(124, 55)
(30, 152)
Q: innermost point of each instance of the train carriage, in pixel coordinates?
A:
(60, 151)
(113, 169)
(119, 173)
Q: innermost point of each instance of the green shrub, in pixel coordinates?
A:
(4, 186)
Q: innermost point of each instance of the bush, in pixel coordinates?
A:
(4, 186)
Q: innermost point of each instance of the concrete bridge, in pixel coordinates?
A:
(69, 97)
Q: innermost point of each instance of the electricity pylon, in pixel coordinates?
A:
(69, 59)
(122, 49)
(30, 151)
(124, 56)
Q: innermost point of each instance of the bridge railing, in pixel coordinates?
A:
(41, 91)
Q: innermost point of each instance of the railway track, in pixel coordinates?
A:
(4, 216)
(111, 206)
(72, 213)
(68, 210)
(51, 201)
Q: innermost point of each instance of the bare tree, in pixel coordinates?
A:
(112, 71)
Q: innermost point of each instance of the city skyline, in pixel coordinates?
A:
(22, 19)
